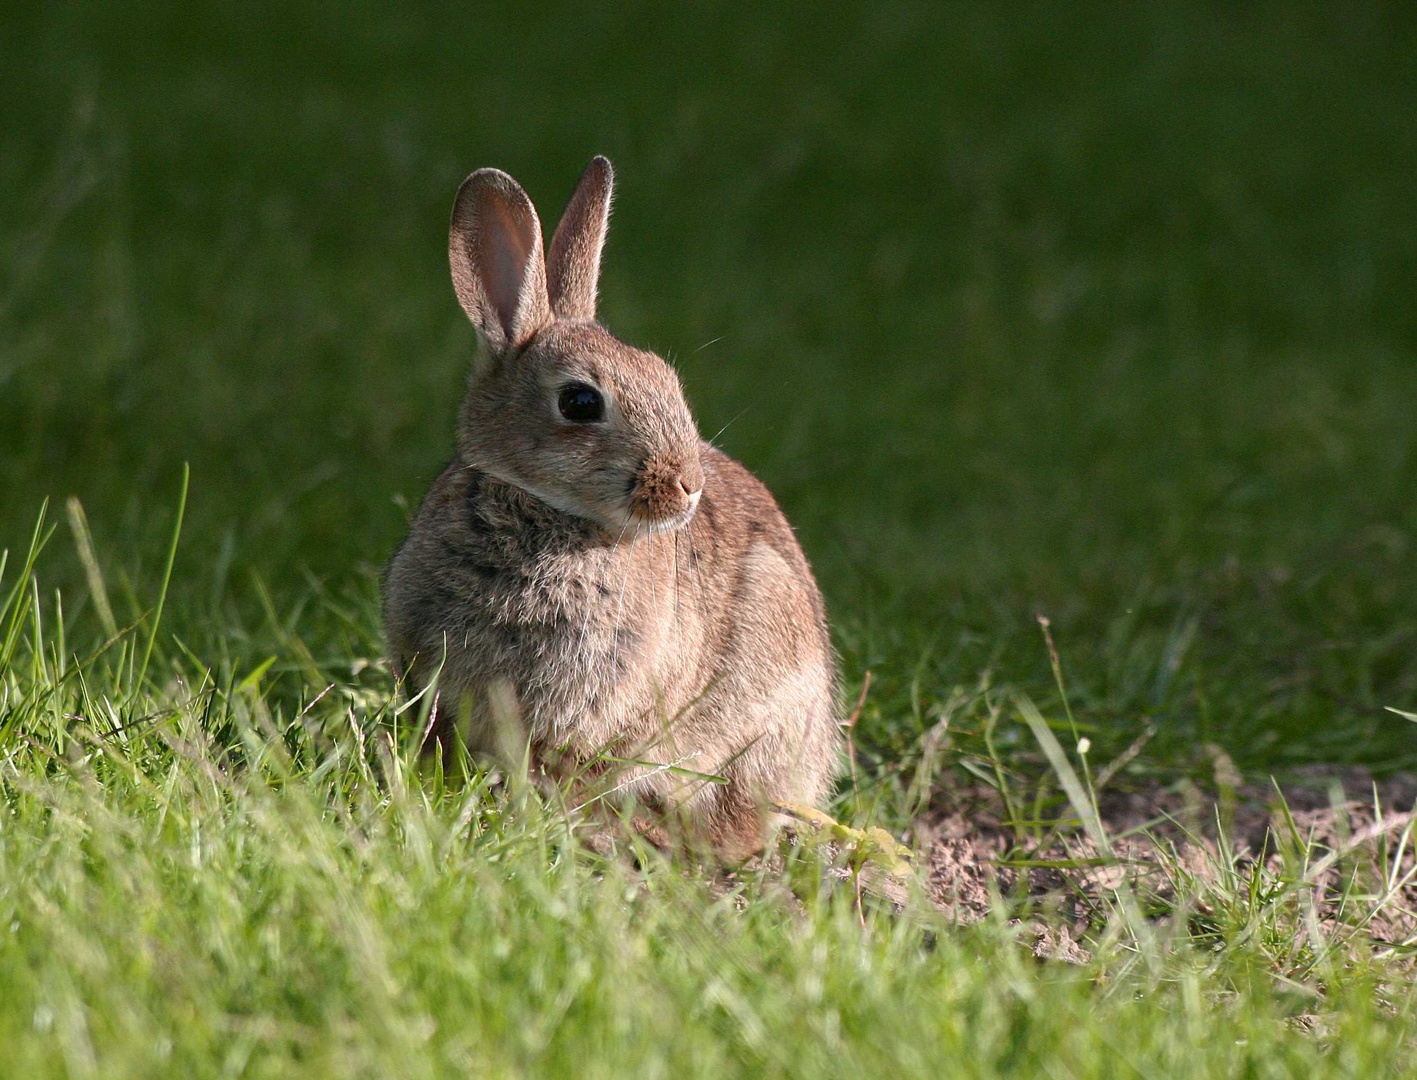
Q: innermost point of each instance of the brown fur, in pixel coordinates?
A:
(633, 590)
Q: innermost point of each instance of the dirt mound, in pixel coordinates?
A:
(1334, 829)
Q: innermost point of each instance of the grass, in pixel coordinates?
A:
(200, 883)
(1102, 315)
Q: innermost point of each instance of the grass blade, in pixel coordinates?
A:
(83, 540)
(166, 580)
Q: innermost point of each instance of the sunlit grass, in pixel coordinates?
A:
(231, 866)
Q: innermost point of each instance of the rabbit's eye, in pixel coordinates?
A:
(580, 403)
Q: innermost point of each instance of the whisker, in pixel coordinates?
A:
(677, 625)
(619, 609)
(730, 423)
(591, 601)
(694, 563)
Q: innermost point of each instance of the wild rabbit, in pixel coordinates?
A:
(631, 593)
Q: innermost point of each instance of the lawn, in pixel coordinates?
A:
(1096, 312)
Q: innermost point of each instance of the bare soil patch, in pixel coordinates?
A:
(1335, 834)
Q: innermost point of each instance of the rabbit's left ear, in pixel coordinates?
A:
(573, 267)
(494, 250)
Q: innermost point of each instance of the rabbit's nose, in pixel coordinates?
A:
(666, 490)
(691, 477)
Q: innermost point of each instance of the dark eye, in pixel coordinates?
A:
(580, 403)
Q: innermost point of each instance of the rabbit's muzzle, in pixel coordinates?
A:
(665, 493)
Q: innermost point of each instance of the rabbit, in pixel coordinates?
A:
(622, 586)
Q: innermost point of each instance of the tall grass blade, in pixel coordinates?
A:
(83, 541)
(166, 579)
(16, 605)
(1077, 794)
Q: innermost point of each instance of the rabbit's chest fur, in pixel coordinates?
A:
(493, 585)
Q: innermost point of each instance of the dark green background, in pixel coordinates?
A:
(1104, 311)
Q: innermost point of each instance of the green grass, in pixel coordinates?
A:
(1102, 313)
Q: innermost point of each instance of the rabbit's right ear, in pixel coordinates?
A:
(499, 269)
(574, 263)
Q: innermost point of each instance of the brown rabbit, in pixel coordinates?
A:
(634, 593)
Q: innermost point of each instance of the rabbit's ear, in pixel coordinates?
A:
(499, 270)
(574, 264)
